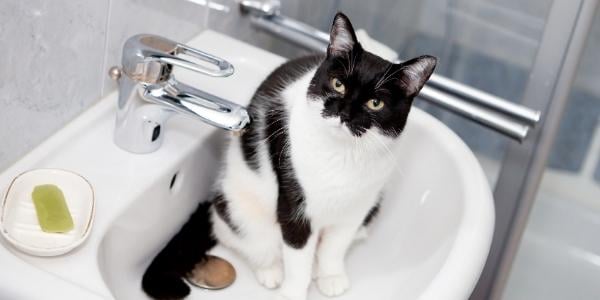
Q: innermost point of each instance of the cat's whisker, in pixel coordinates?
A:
(330, 95)
(372, 145)
(364, 147)
(277, 133)
(347, 55)
(282, 119)
(389, 77)
(361, 146)
(387, 149)
(352, 61)
(369, 144)
(389, 153)
(298, 215)
(283, 151)
(358, 145)
(378, 84)
(343, 65)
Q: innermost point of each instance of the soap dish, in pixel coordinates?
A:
(18, 221)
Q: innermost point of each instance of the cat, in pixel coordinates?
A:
(306, 175)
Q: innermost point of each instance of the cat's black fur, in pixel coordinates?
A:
(222, 209)
(164, 277)
(364, 75)
(268, 103)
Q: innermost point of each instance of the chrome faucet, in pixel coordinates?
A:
(149, 93)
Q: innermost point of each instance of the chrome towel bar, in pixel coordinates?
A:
(501, 115)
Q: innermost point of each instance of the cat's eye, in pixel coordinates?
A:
(338, 86)
(375, 104)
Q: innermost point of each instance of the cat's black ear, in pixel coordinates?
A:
(342, 37)
(414, 73)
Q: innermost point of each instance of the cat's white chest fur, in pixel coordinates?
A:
(341, 175)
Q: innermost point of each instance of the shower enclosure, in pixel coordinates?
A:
(541, 54)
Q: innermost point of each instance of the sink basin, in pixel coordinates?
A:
(429, 242)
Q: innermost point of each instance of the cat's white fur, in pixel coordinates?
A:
(341, 177)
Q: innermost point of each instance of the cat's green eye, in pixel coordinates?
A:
(338, 86)
(375, 104)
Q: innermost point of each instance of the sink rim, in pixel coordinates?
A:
(468, 253)
(466, 256)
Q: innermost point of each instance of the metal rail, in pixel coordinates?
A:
(501, 115)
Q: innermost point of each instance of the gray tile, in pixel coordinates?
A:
(484, 72)
(176, 20)
(477, 70)
(231, 22)
(597, 173)
(575, 132)
(52, 55)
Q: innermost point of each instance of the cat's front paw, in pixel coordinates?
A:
(333, 285)
(270, 277)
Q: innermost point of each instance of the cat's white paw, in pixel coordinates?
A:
(333, 285)
(270, 277)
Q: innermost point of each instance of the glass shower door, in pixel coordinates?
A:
(559, 255)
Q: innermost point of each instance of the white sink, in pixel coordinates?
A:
(429, 242)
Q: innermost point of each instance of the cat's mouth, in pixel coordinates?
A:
(333, 123)
(340, 128)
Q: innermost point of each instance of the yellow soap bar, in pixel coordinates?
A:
(51, 208)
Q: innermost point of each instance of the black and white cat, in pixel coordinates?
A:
(305, 178)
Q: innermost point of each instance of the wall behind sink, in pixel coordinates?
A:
(55, 55)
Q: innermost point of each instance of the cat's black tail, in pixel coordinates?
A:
(164, 277)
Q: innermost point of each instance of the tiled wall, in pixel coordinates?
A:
(55, 55)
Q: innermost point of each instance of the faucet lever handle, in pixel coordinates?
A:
(149, 58)
(224, 67)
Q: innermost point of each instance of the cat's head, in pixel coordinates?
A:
(362, 91)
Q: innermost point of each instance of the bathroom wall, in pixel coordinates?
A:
(55, 55)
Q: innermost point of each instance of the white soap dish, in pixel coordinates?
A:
(18, 221)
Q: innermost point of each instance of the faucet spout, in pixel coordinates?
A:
(149, 93)
(198, 104)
